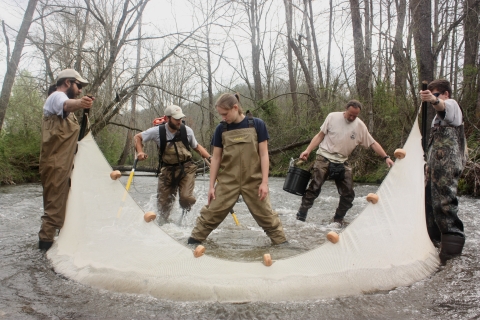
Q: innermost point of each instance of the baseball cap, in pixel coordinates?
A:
(70, 73)
(174, 111)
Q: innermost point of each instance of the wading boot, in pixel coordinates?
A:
(44, 245)
(193, 241)
(451, 246)
(301, 216)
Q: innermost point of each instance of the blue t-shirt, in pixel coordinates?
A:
(260, 127)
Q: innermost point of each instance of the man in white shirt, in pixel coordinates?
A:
(339, 135)
(60, 130)
(446, 158)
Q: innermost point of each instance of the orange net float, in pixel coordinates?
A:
(267, 260)
(114, 175)
(149, 216)
(400, 153)
(333, 237)
(372, 197)
(199, 251)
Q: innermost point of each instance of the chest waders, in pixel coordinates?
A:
(177, 173)
(59, 144)
(445, 163)
(239, 174)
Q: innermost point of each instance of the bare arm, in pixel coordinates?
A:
(379, 150)
(214, 166)
(139, 147)
(264, 164)
(202, 151)
(72, 105)
(427, 96)
(316, 140)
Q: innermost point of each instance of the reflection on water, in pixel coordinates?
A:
(30, 289)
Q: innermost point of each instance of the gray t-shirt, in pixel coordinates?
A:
(54, 105)
(453, 115)
(154, 134)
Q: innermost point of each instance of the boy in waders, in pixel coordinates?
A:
(240, 163)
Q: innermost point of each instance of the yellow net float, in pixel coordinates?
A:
(400, 153)
(267, 259)
(149, 216)
(114, 175)
(199, 251)
(333, 237)
(372, 197)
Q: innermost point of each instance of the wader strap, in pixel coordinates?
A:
(251, 123)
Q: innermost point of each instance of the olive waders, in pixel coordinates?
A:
(177, 174)
(240, 174)
(59, 145)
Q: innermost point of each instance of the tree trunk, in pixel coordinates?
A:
(12, 63)
(127, 149)
(256, 49)
(361, 72)
(471, 31)
(422, 31)
(315, 46)
(401, 70)
(291, 75)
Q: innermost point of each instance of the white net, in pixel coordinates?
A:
(110, 246)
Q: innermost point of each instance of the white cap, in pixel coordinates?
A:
(70, 73)
(174, 111)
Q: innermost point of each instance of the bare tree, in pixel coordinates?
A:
(291, 74)
(14, 59)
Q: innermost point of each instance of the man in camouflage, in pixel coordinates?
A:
(446, 157)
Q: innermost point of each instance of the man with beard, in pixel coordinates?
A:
(339, 135)
(177, 168)
(60, 130)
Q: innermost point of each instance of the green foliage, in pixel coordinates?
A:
(19, 158)
(111, 143)
(21, 135)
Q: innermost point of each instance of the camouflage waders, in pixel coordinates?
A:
(175, 176)
(59, 144)
(240, 173)
(320, 174)
(445, 162)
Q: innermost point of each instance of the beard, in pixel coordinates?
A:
(172, 126)
(70, 93)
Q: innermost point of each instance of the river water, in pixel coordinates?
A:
(30, 288)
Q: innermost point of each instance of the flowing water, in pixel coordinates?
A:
(30, 288)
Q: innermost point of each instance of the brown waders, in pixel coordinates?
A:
(240, 174)
(445, 162)
(320, 173)
(59, 144)
(176, 176)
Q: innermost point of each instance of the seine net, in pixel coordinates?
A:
(108, 245)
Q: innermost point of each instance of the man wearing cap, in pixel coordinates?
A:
(60, 130)
(178, 170)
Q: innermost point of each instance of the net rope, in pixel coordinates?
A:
(111, 247)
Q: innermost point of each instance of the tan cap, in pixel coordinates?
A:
(174, 111)
(70, 73)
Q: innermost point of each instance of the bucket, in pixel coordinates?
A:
(296, 181)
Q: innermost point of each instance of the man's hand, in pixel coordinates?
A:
(390, 162)
(304, 155)
(86, 102)
(142, 156)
